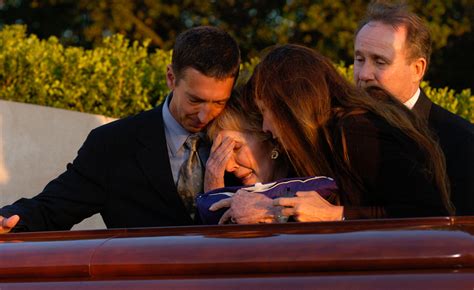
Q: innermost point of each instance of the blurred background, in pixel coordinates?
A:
(326, 25)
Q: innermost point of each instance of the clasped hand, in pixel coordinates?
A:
(309, 206)
(248, 207)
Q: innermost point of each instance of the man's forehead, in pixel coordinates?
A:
(192, 71)
(199, 86)
(217, 96)
(380, 38)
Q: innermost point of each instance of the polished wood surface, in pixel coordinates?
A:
(370, 254)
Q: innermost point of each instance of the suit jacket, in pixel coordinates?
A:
(456, 138)
(387, 176)
(122, 171)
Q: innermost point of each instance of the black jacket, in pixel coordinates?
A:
(122, 171)
(388, 176)
(456, 137)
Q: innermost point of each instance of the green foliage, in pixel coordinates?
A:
(325, 25)
(114, 79)
(246, 70)
(461, 103)
(118, 78)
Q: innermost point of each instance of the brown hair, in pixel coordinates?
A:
(418, 37)
(312, 96)
(209, 50)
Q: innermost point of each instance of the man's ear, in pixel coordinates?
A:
(418, 69)
(170, 77)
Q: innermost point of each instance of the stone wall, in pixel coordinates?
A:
(36, 143)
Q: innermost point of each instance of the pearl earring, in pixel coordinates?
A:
(274, 154)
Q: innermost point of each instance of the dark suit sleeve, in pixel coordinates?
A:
(456, 137)
(391, 168)
(73, 196)
(460, 163)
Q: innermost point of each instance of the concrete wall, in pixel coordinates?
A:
(36, 143)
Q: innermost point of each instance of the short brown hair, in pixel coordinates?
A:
(418, 36)
(209, 50)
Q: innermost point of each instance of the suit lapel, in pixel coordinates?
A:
(423, 106)
(154, 160)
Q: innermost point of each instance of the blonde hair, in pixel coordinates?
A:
(240, 114)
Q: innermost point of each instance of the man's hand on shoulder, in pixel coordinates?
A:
(6, 224)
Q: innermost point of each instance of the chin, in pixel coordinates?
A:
(250, 181)
(194, 129)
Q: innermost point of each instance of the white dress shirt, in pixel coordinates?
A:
(412, 101)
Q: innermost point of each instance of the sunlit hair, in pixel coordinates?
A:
(240, 114)
(397, 14)
(209, 50)
(307, 96)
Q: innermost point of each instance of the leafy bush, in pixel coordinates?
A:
(461, 103)
(117, 78)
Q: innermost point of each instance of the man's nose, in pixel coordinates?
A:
(365, 72)
(205, 114)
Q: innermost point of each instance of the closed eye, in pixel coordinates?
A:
(381, 61)
(237, 146)
(221, 103)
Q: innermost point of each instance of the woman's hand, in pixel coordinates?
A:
(252, 208)
(227, 216)
(309, 206)
(221, 151)
(246, 208)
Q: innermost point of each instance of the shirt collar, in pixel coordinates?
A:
(175, 133)
(412, 101)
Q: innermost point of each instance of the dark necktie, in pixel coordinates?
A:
(190, 179)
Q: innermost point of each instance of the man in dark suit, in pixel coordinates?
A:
(128, 170)
(392, 50)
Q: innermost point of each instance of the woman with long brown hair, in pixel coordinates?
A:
(383, 160)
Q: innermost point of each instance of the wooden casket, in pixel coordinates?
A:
(429, 253)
